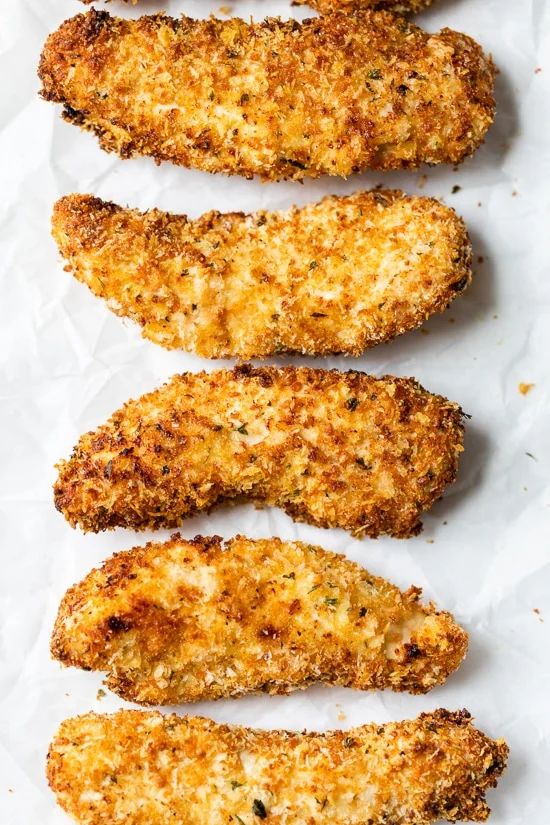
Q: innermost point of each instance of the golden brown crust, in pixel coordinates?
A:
(189, 620)
(333, 277)
(148, 769)
(333, 449)
(281, 99)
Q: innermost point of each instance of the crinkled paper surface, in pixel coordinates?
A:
(67, 363)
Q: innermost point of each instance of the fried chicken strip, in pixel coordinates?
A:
(336, 276)
(330, 6)
(281, 99)
(143, 768)
(190, 620)
(333, 449)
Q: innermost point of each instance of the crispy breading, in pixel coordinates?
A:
(281, 99)
(336, 276)
(143, 768)
(333, 449)
(189, 620)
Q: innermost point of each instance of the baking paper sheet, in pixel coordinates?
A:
(67, 363)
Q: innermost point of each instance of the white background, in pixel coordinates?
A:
(67, 363)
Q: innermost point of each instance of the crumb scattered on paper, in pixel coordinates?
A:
(456, 188)
(100, 694)
(225, 9)
(524, 388)
(537, 611)
(341, 716)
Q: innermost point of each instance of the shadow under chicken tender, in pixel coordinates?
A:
(189, 620)
(332, 277)
(143, 768)
(280, 99)
(333, 449)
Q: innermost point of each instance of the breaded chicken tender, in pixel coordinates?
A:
(330, 6)
(334, 277)
(280, 99)
(333, 449)
(143, 768)
(190, 620)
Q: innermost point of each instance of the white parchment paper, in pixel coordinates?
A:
(67, 363)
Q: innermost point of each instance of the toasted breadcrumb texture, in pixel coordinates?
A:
(333, 449)
(333, 277)
(143, 768)
(280, 99)
(190, 620)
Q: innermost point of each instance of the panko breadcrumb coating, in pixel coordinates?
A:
(333, 277)
(143, 768)
(333, 449)
(189, 620)
(280, 99)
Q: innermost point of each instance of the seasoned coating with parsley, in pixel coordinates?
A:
(333, 449)
(333, 277)
(143, 768)
(280, 99)
(189, 620)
